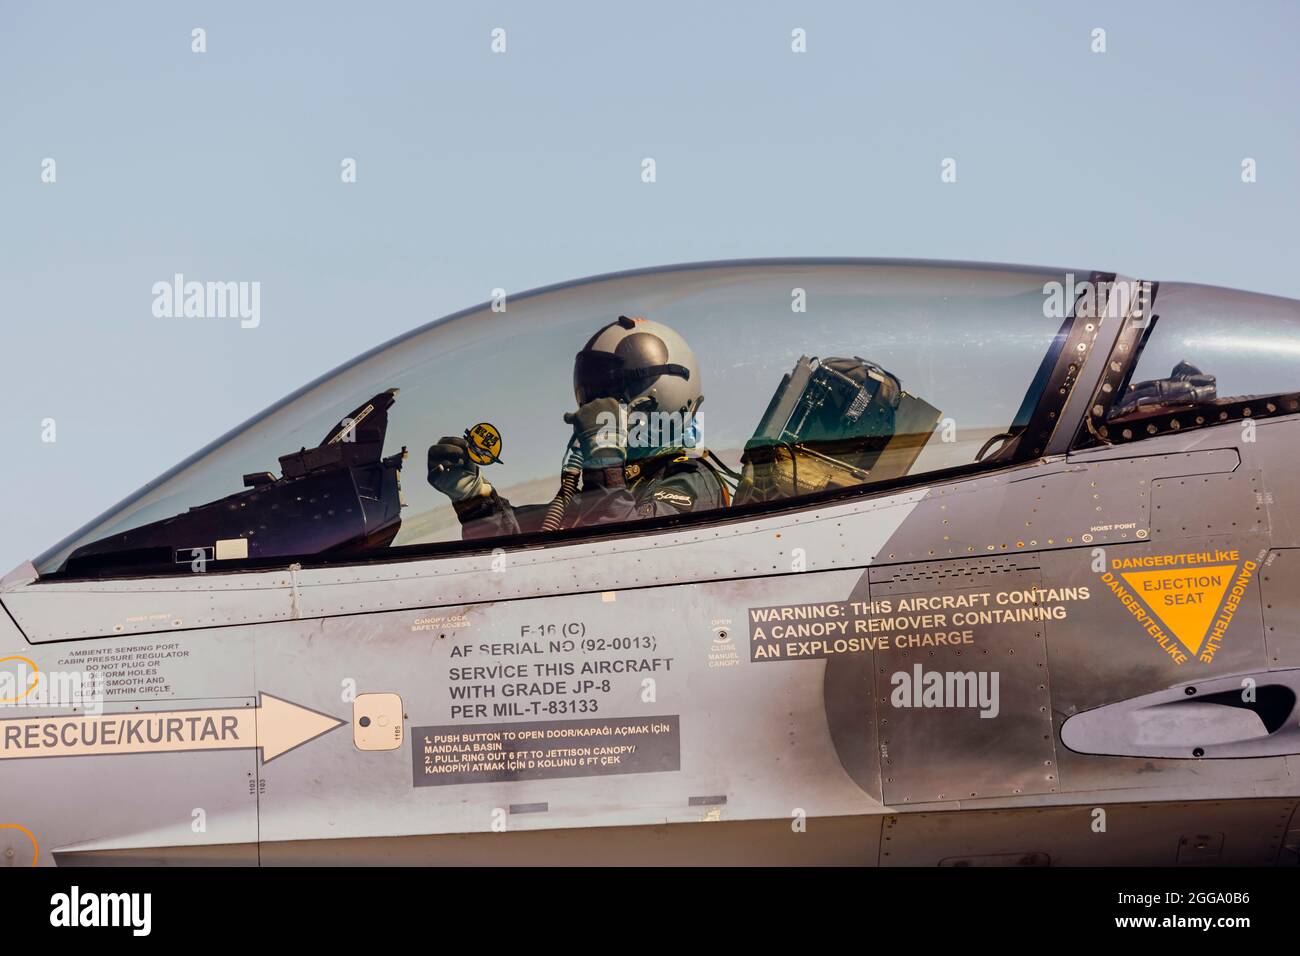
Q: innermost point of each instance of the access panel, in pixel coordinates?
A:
(967, 713)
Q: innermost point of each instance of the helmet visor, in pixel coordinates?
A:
(597, 375)
(605, 375)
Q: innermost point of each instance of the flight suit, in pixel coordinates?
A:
(671, 483)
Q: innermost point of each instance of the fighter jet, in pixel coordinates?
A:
(958, 564)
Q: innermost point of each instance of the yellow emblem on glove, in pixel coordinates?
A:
(484, 443)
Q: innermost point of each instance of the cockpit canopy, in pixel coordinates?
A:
(817, 376)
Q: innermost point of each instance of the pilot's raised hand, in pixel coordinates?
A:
(452, 472)
(601, 432)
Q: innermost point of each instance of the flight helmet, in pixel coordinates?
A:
(639, 362)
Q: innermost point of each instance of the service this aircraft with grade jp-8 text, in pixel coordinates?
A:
(959, 564)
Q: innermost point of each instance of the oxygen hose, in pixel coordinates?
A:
(569, 475)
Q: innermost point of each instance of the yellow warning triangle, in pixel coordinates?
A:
(1185, 599)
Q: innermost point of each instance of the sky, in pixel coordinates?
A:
(478, 170)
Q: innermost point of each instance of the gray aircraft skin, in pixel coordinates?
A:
(1053, 624)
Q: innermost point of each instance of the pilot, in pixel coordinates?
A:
(637, 387)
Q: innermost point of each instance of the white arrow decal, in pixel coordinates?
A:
(275, 726)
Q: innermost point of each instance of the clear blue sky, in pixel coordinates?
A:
(478, 170)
